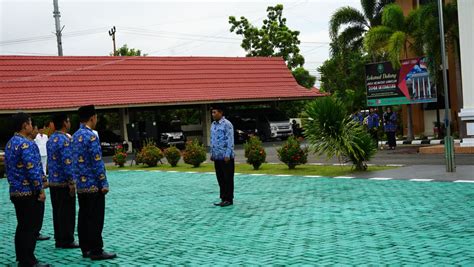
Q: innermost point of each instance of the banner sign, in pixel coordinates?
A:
(411, 84)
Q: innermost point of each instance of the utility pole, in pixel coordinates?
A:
(59, 30)
(448, 140)
(112, 33)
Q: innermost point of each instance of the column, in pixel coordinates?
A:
(466, 37)
(206, 125)
(124, 120)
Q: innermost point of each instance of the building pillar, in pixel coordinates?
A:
(466, 38)
(124, 120)
(206, 125)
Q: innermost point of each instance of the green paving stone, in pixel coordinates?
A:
(159, 218)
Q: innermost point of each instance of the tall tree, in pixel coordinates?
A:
(126, 51)
(344, 77)
(394, 38)
(274, 38)
(354, 24)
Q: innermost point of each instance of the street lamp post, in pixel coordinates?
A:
(448, 140)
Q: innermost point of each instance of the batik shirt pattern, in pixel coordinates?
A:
(59, 160)
(23, 167)
(88, 168)
(222, 139)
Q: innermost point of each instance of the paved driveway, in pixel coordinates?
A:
(167, 218)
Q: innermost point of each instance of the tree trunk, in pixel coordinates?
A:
(410, 135)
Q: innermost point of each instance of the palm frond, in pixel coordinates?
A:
(377, 38)
(349, 35)
(345, 16)
(395, 46)
(368, 6)
(377, 19)
(393, 17)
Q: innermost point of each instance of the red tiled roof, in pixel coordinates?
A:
(48, 83)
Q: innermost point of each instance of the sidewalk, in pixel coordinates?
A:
(464, 173)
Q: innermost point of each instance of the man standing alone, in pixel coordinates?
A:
(61, 183)
(222, 153)
(92, 186)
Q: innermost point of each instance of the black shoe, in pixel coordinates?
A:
(219, 204)
(226, 203)
(86, 254)
(70, 245)
(42, 265)
(103, 256)
(41, 237)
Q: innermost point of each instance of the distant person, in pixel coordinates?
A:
(61, 182)
(91, 184)
(33, 135)
(373, 123)
(390, 127)
(357, 117)
(25, 177)
(41, 139)
(222, 153)
(297, 131)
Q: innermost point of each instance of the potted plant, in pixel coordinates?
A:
(254, 152)
(292, 154)
(150, 154)
(120, 157)
(173, 155)
(194, 154)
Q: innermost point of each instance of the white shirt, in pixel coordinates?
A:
(40, 141)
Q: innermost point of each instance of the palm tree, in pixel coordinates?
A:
(331, 131)
(392, 39)
(355, 24)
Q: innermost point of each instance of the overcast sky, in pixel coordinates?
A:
(158, 28)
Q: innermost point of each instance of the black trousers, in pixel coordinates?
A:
(64, 215)
(28, 214)
(225, 178)
(41, 212)
(91, 222)
(375, 135)
(392, 141)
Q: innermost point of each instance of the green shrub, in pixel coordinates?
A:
(254, 152)
(120, 157)
(173, 155)
(150, 154)
(331, 131)
(194, 154)
(292, 154)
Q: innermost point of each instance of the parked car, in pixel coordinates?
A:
(2, 164)
(171, 134)
(244, 127)
(271, 123)
(109, 142)
(163, 133)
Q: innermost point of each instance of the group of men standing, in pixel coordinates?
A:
(74, 165)
(372, 121)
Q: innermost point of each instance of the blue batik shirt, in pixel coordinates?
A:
(59, 160)
(222, 139)
(390, 122)
(23, 167)
(88, 167)
(373, 121)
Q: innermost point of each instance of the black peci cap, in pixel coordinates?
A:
(86, 112)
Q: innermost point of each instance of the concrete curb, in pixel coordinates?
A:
(314, 176)
(420, 142)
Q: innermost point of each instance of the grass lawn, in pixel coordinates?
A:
(327, 171)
